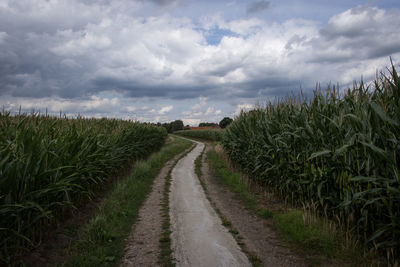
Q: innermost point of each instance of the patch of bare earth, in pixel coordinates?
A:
(257, 235)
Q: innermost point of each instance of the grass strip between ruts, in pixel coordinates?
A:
(103, 240)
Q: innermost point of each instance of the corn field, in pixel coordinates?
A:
(209, 135)
(339, 150)
(47, 164)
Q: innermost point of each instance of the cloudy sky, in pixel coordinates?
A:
(161, 60)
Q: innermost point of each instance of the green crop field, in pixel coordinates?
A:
(47, 164)
(339, 150)
(209, 135)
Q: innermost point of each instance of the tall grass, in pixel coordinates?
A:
(341, 151)
(47, 164)
(209, 135)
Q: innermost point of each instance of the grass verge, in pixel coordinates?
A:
(235, 182)
(165, 257)
(225, 222)
(313, 238)
(103, 240)
(309, 234)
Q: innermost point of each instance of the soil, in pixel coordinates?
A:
(257, 235)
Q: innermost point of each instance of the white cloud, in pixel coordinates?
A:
(202, 103)
(93, 105)
(209, 111)
(96, 103)
(130, 109)
(165, 109)
(193, 122)
(243, 107)
(80, 46)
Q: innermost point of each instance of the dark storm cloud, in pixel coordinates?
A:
(22, 17)
(257, 7)
(268, 86)
(28, 68)
(136, 89)
(389, 48)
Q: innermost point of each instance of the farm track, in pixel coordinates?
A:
(198, 237)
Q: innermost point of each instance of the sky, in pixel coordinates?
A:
(198, 61)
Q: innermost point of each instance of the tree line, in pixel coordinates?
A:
(178, 125)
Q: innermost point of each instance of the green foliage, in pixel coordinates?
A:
(205, 124)
(225, 122)
(173, 126)
(47, 164)
(310, 237)
(209, 135)
(339, 151)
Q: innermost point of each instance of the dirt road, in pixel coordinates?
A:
(198, 237)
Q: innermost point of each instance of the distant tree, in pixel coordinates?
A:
(225, 122)
(205, 124)
(177, 125)
(173, 126)
(167, 126)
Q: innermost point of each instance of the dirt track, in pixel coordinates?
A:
(198, 237)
